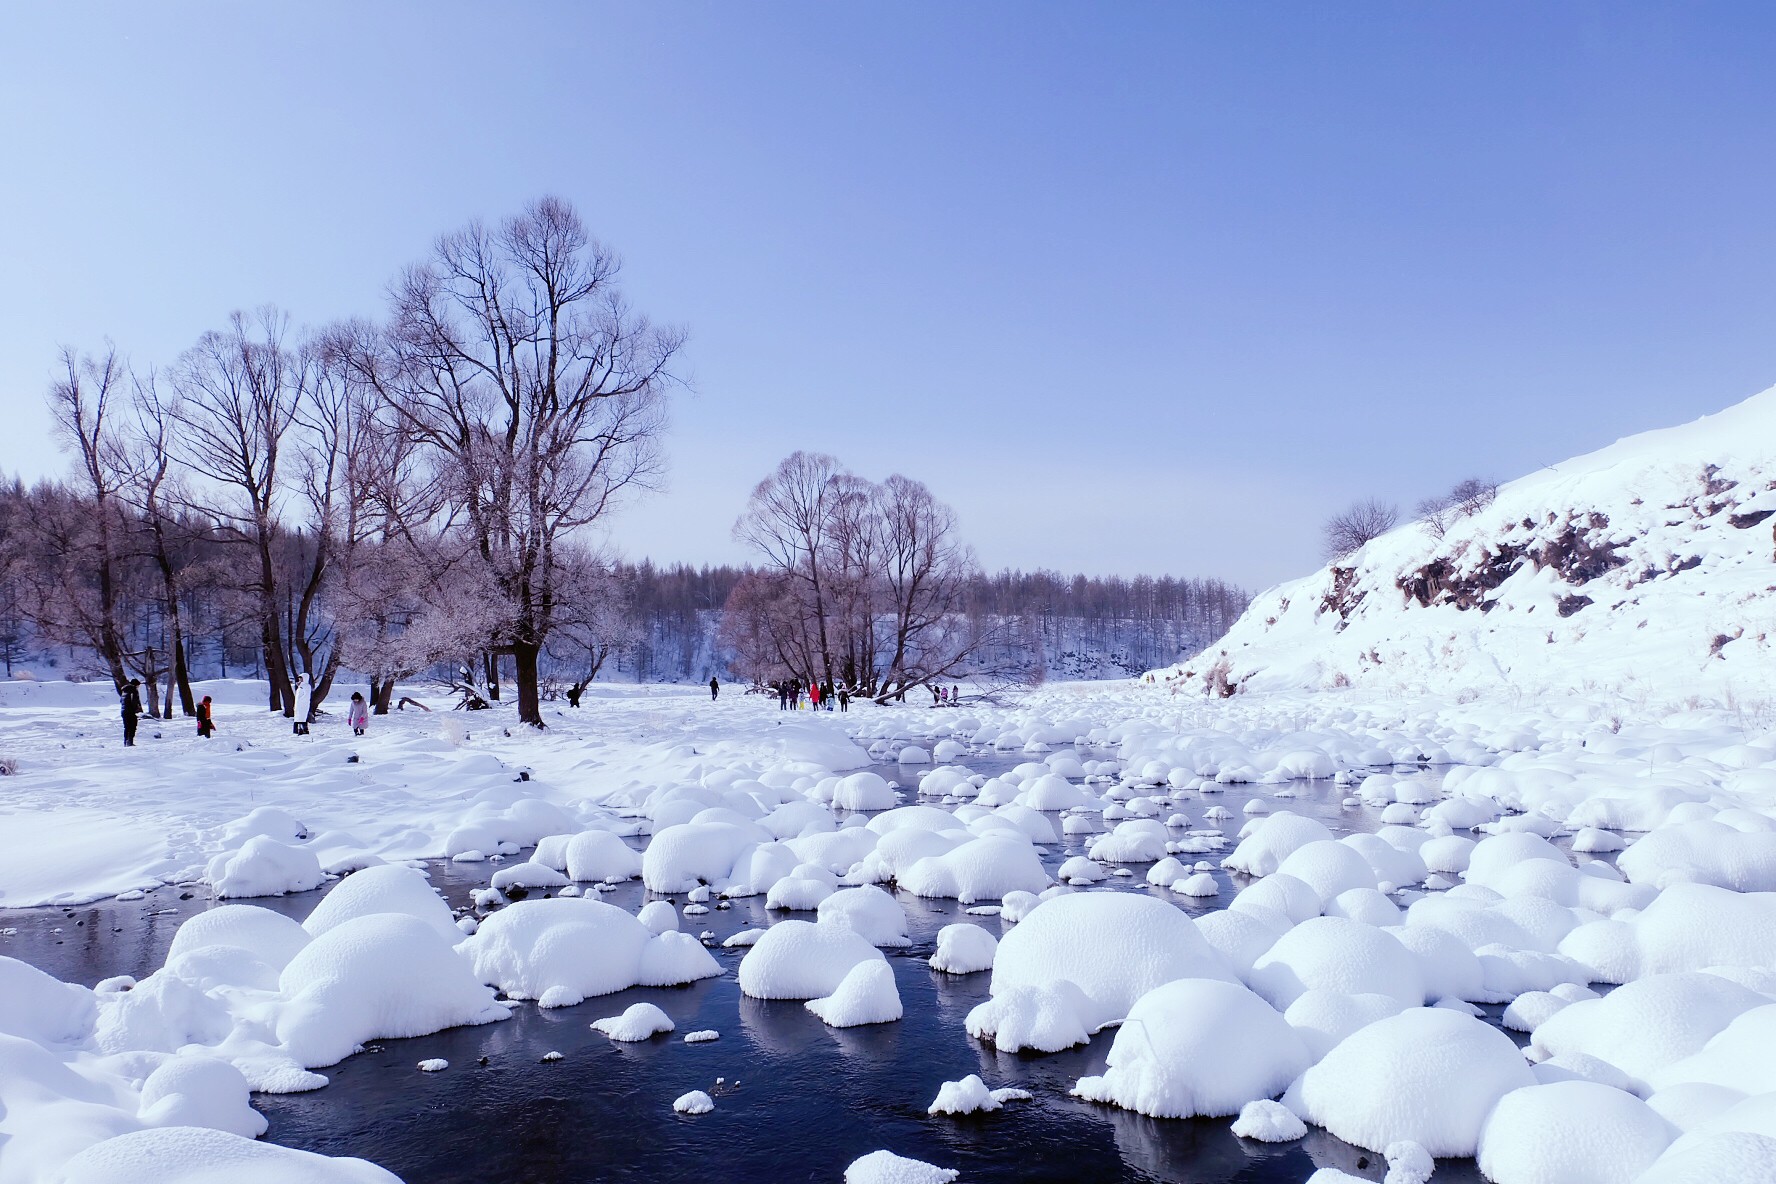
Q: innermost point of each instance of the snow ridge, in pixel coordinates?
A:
(1647, 568)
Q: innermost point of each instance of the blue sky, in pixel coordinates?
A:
(1136, 287)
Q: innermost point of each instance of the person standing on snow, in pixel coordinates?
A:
(714, 689)
(844, 697)
(132, 710)
(813, 696)
(358, 714)
(206, 719)
(304, 705)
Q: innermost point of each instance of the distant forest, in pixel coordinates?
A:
(1077, 627)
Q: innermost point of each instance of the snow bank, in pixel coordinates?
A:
(971, 1095)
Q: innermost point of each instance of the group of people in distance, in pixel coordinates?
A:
(130, 698)
(821, 696)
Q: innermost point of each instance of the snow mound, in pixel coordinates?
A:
(1268, 1122)
(264, 867)
(1337, 954)
(1109, 948)
(803, 960)
(568, 949)
(382, 975)
(971, 1095)
(198, 1155)
(1571, 1132)
(866, 995)
(695, 1102)
(386, 889)
(1197, 1046)
(639, 1021)
(873, 914)
(964, 949)
(1429, 1075)
(982, 869)
(885, 1167)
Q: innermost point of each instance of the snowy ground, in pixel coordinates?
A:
(1477, 868)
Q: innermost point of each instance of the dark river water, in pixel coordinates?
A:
(800, 1100)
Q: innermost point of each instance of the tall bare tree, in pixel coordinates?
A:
(538, 394)
(88, 405)
(154, 496)
(792, 519)
(238, 392)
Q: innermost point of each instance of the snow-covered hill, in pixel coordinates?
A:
(1648, 567)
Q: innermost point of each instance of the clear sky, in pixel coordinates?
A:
(1136, 287)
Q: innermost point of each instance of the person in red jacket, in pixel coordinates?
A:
(206, 719)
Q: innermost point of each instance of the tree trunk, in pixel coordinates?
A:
(381, 692)
(181, 673)
(524, 659)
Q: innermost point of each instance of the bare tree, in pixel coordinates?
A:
(1468, 498)
(238, 390)
(1473, 495)
(1369, 519)
(537, 393)
(1434, 514)
(791, 520)
(593, 624)
(871, 576)
(88, 405)
(926, 571)
(153, 495)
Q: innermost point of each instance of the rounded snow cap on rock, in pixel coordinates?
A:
(1571, 1132)
(1114, 946)
(870, 791)
(802, 960)
(1197, 1046)
(1338, 954)
(390, 888)
(174, 1155)
(1430, 1075)
(885, 1167)
(639, 1022)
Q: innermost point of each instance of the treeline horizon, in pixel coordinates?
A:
(675, 608)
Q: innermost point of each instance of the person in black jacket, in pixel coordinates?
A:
(206, 719)
(132, 710)
(714, 688)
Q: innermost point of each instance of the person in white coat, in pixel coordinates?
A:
(304, 704)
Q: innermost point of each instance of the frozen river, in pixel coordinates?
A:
(799, 1100)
